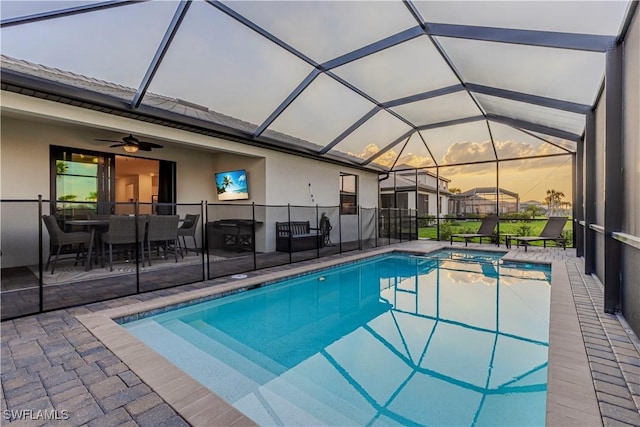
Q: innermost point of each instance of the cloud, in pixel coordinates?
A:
(468, 151)
(415, 160)
(388, 157)
(385, 159)
(242, 178)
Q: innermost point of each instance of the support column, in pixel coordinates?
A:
(590, 193)
(614, 180)
(438, 202)
(578, 200)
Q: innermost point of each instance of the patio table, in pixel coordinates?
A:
(91, 224)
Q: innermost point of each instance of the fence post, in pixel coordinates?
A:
(400, 223)
(136, 252)
(202, 239)
(290, 236)
(377, 225)
(340, 227)
(40, 257)
(253, 238)
(389, 225)
(206, 237)
(359, 228)
(321, 240)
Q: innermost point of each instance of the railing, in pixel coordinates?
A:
(628, 239)
(229, 239)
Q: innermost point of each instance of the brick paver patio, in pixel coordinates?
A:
(52, 362)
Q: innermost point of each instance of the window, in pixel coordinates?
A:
(402, 200)
(76, 184)
(423, 204)
(348, 194)
(387, 201)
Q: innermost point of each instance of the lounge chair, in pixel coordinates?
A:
(552, 231)
(485, 230)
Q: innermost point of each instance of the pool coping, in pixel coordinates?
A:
(571, 397)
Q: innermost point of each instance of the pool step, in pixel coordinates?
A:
(214, 364)
(288, 386)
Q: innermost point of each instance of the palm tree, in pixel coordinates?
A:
(534, 210)
(61, 167)
(553, 200)
(227, 182)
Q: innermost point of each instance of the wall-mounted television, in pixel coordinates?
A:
(232, 185)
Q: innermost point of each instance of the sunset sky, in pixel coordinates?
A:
(529, 178)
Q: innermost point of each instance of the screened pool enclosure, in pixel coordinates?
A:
(496, 92)
(376, 84)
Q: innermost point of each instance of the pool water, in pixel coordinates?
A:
(393, 340)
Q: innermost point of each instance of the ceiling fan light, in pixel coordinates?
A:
(130, 148)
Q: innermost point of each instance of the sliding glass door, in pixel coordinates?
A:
(85, 182)
(81, 182)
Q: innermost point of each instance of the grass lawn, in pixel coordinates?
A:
(506, 226)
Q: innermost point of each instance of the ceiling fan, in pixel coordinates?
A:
(131, 144)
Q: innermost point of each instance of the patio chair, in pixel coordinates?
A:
(324, 230)
(163, 230)
(188, 229)
(59, 239)
(552, 231)
(122, 231)
(485, 230)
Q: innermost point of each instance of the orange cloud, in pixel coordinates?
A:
(388, 157)
(468, 151)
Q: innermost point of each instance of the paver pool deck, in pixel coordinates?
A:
(75, 363)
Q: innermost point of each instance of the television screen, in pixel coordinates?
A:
(232, 185)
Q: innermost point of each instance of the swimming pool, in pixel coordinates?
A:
(394, 340)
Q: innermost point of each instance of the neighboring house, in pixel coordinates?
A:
(482, 201)
(415, 189)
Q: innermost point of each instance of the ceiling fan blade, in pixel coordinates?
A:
(142, 147)
(118, 145)
(108, 140)
(150, 144)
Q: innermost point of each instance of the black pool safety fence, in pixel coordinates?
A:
(60, 254)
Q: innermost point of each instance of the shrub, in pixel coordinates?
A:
(523, 229)
(445, 230)
(467, 230)
(515, 215)
(426, 221)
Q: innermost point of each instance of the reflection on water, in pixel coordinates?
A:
(398, 340)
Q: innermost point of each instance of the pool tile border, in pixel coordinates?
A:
(571, 396)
